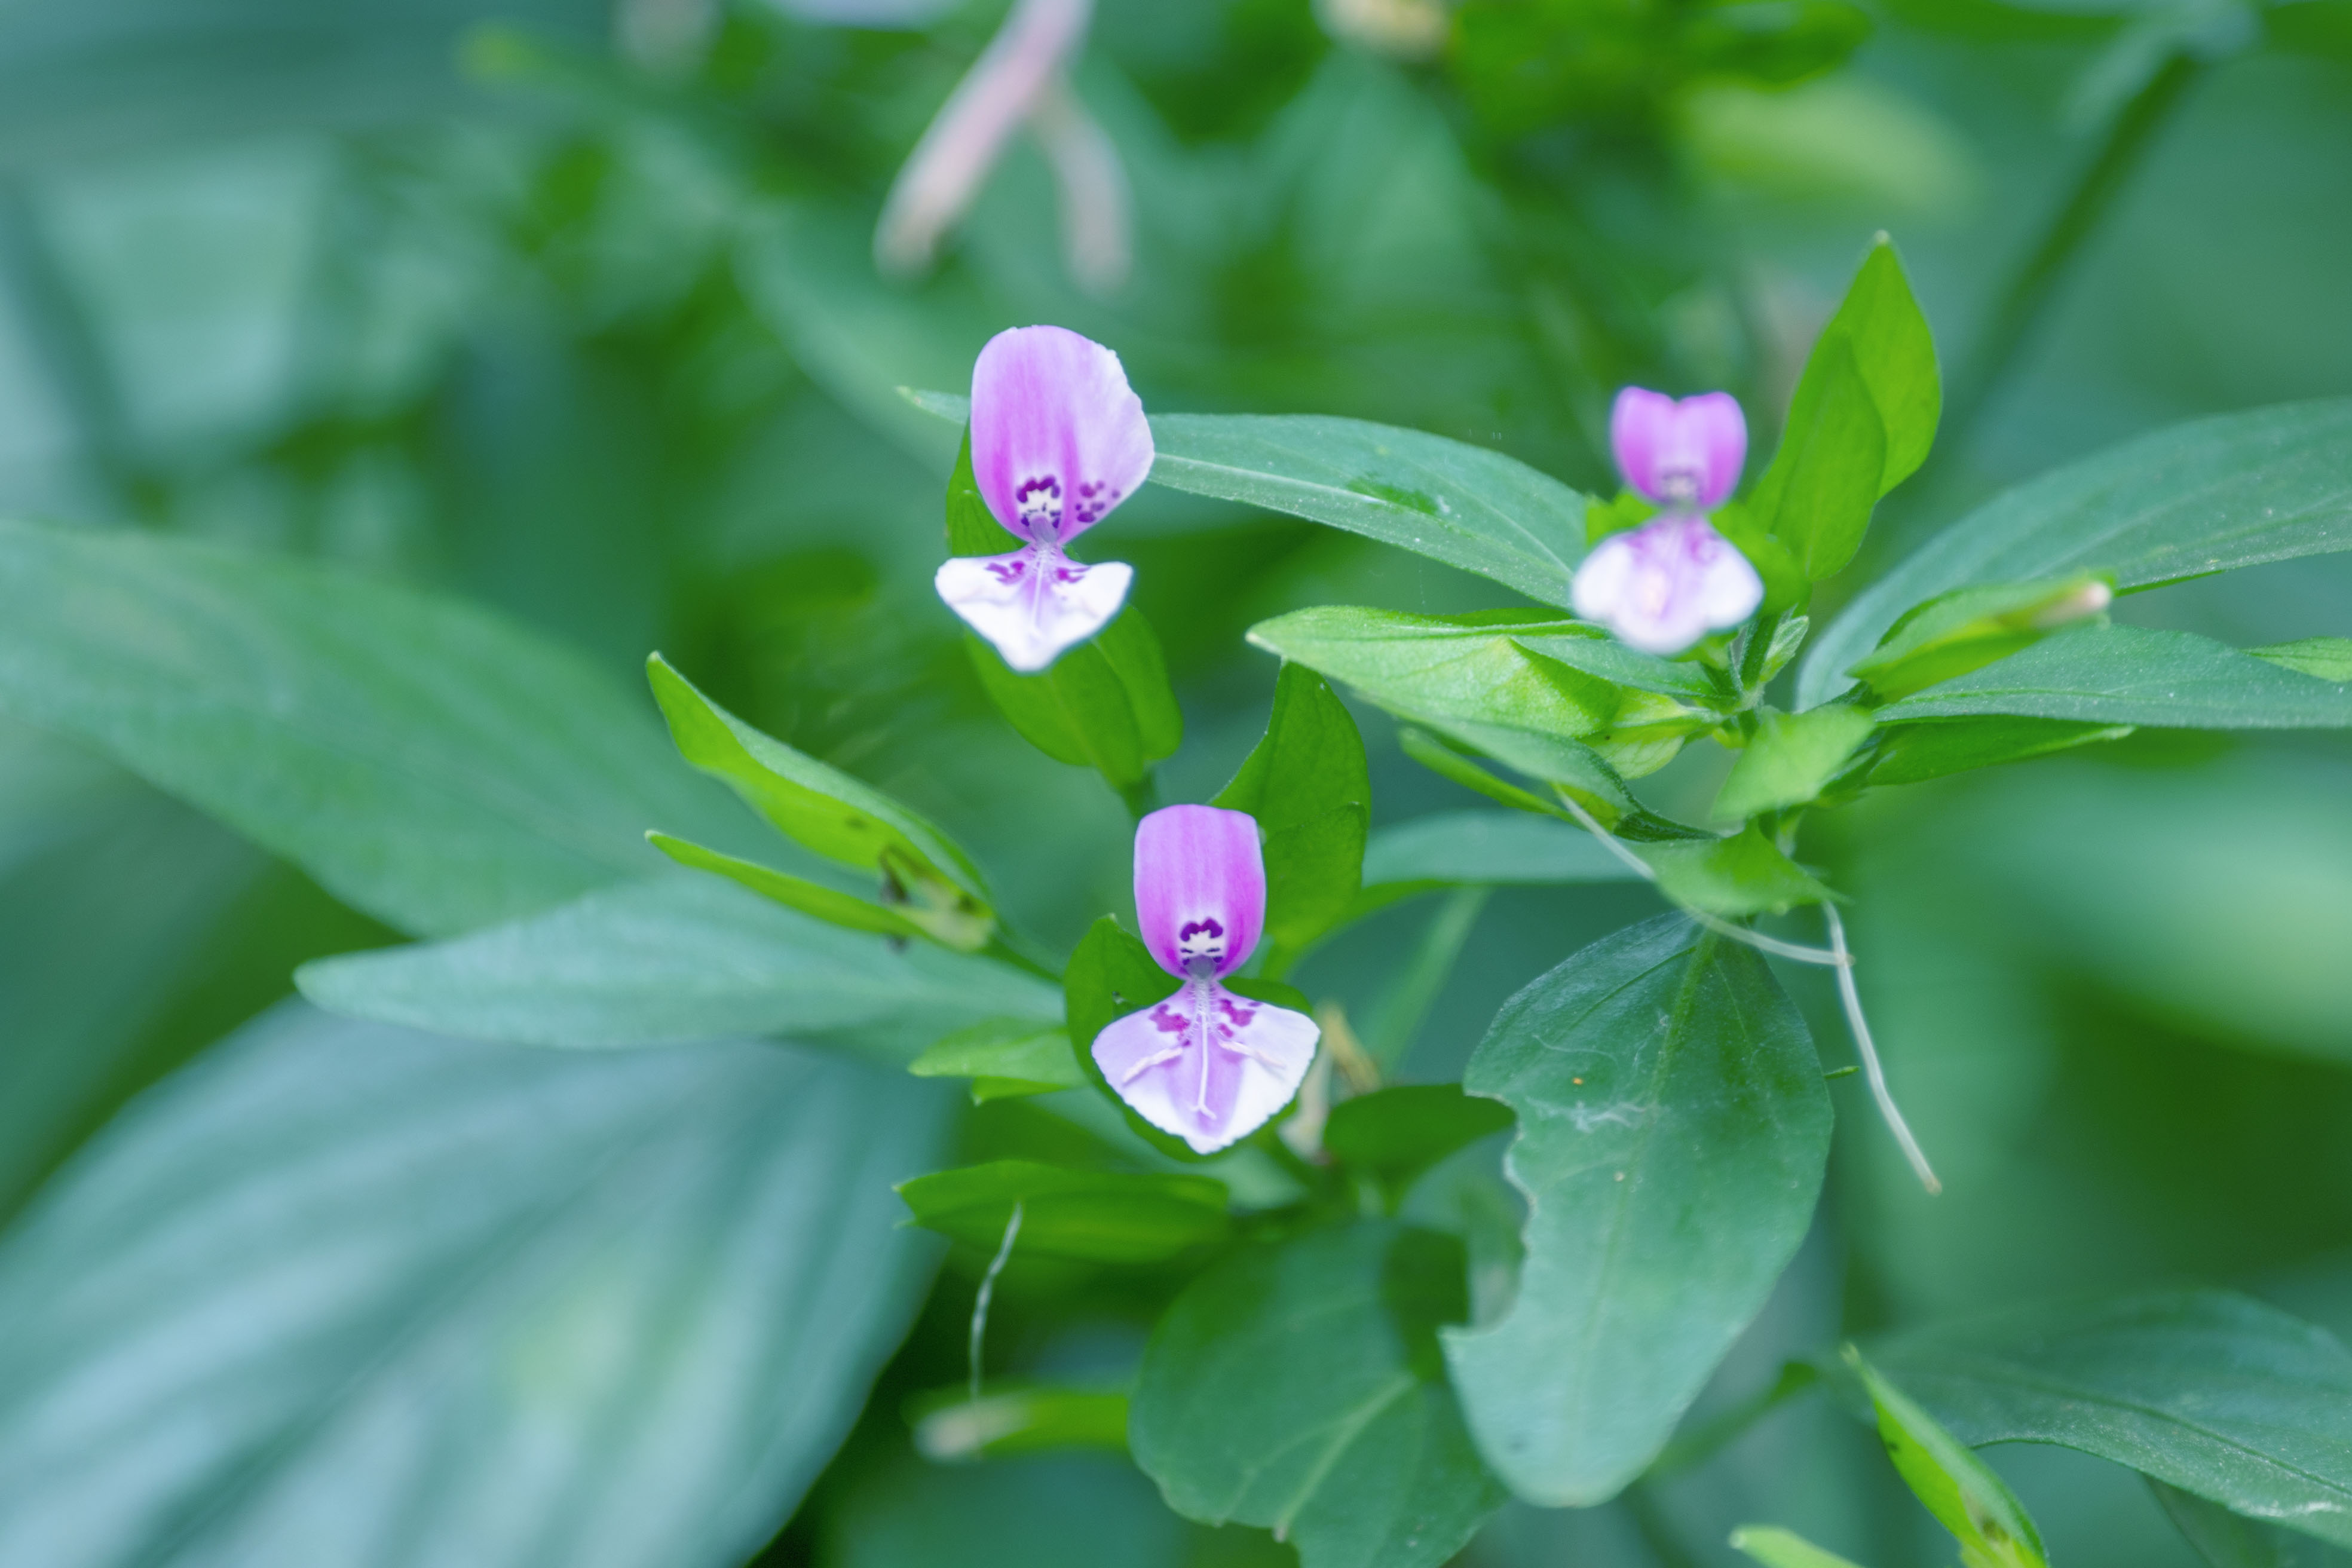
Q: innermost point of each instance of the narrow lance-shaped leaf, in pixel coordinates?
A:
(2207, 496)
(1862, 421)
(2206, 1391)
(1003, 1058)
(1464, 505)
(671, 959)
(1674, 1129)
(1967, 628)
(1776, 1547)
(827, 811)
(1307, 784)
(1100, 1216)
(1300, 1387)
(2131, 675)
(1961, 1490)
(1480, 848)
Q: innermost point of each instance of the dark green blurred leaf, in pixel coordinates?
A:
(1300, 1387)
(644, 1294)
(1451, 501)
(1060, 1510)
(1098, 1216)
(1673, 1132)
(1776, 1547)
(1306, 782)
(1863, 420)
(1967, 628)
(1789, 758)
(2207, 1391)
(2130, 675)
(426, 763)
(1910, 753)
(2207, 496)
(1395, 1134)
(1961, 1490)
(681, 958)
(1745, 874)
(1003, 1058)
(830, 813)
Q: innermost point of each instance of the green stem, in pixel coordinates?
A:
(2126, 144)
(1142, 796)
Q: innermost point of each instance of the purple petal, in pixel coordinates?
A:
(1032, 603)
(1200, 888)
(1666, 585)
(1058, 438)
(1685, 454)
(1205, 1065)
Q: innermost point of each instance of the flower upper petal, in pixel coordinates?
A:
(1057, 437)
(1685, 454)
(1200, 888)
(1032, 603)
(1205, 1065)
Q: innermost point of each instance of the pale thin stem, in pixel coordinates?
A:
(1870, 1066)
(987, 1289)
(1714, 923)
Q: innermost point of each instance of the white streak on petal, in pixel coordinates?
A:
(1033, 605)
(943, 174)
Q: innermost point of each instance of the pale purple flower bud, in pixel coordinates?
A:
(1057, 440)
(1671, 581)
(1683, 456)
(1206, 1065)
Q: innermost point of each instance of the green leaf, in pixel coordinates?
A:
(1105, 705)
(680, 958)
(1098, 1216)
(1004, 1058)
(1442, 668)
(1037, 1510)
(1300, 1387)
(426, 763)
(1961, 1490)
(1863, 420)
(1745, 874)
(2208, 496)
(1567, 765)
(1306, 782)
(1396, 1134)
(1910, 753)
(2204, 1390)
(658, 1284)
(1673, 1132)
(1480, 848)
(1967, 628)
(2130, 675)
(1451, 501)
(1778, 1548)
(1790, 759)
(2323, 658)
(2228, 1540)
(950, 1426)
(829, 904)
(827, 811)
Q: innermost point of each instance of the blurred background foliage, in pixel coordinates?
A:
(572, 312)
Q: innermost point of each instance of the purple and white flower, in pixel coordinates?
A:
(1057, 440)
(1667, 584)
(1205, 1065)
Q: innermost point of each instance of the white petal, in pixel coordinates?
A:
(1211, 1087)
(1729, 589)
(1033, 605)
(1601, 582)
